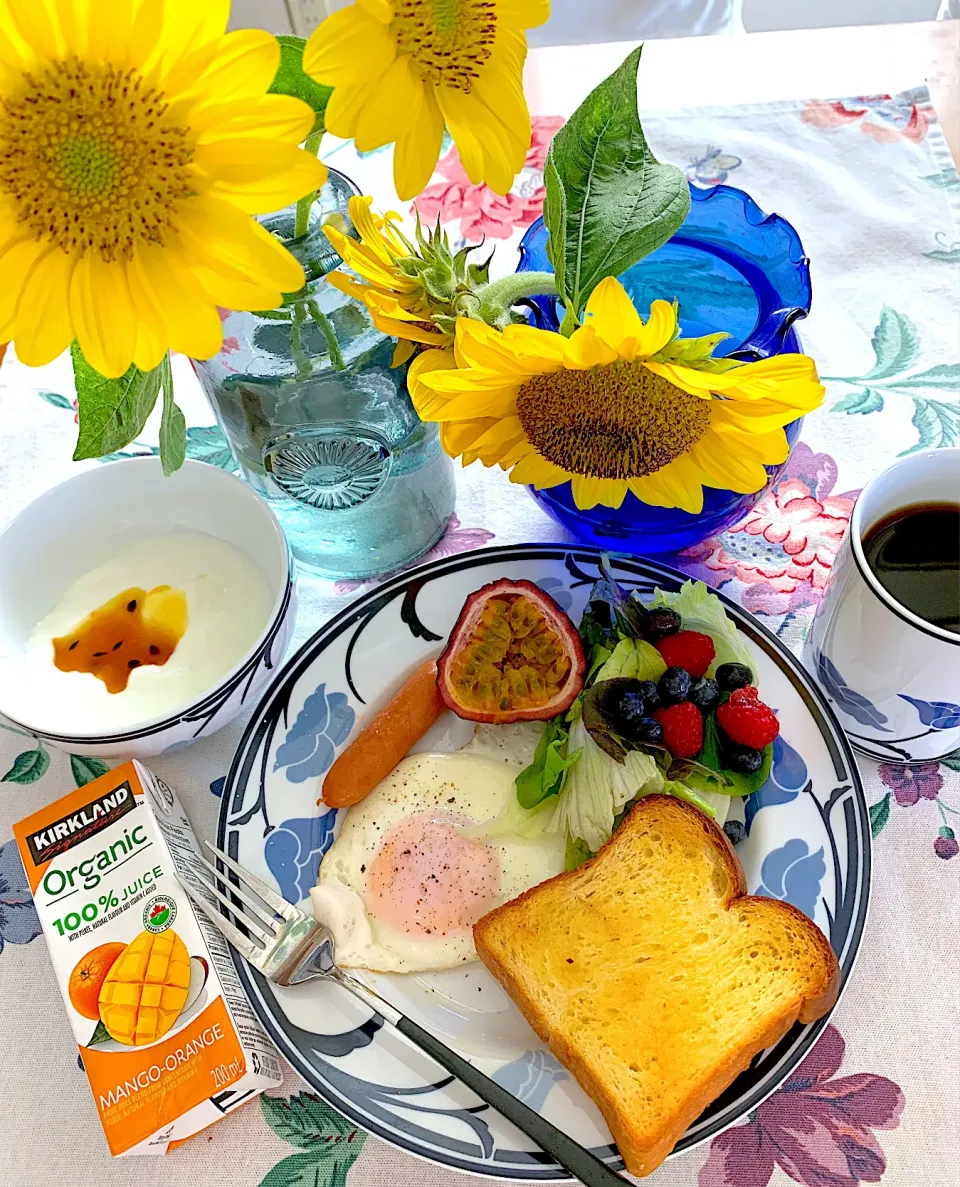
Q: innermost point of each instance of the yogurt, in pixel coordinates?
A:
(227, 607)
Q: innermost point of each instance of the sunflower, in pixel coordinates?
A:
(136, 139)
(621, 405)
(402, 69)
(392, 284)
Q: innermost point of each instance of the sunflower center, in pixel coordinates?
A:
(91, 160)
(614, 421)
(449, 40)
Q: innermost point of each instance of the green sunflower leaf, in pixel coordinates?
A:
(290, 79)
(609, 201)
(173, 425)
(112, 411)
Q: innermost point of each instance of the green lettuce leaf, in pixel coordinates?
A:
(633, 657)
(548, 772)
(577, 853)
(703, 611)
(727, 783)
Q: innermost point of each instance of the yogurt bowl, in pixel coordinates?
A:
(71, 540)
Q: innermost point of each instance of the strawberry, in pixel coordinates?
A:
(682, 729)
(687, 649)
(746, 720)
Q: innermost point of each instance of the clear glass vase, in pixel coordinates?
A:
(321, 425)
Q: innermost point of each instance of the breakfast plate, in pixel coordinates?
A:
(804, 837)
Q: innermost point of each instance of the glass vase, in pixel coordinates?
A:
(733, 268)
(319, 422)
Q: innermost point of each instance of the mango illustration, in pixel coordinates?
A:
(146, 988)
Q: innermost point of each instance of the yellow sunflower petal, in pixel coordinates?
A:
(612, 315)
(585, 348)
(382, 10)
(534, 352)
(429, 360)
(393, 108)
(33, 23)
(401, 352)
(268, 117)
(678, 484)
(534, 470)
(243, 67)
(16, 261)
(102, 312)
(460, 435)
(727, 468)
(588, 491)
(216, 234)
(496, 442)
(192, 324)
(346, 105)
(109, 27)
(758, 416)
(148, 350)
(659, 329)
(418, 150)
(230, 290)
(348, 46)
(259, 175)
(490, 152)
(522, 14)
(188, 24)
(43, 327)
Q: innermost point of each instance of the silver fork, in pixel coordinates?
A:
(289, 947)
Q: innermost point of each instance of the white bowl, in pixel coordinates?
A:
(58, 537)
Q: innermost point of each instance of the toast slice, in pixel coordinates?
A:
(653, 976)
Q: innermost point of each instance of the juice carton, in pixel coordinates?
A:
(168, 1041)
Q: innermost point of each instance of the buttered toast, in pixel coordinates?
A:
(653, 976)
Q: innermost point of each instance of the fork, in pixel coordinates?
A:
(289, 947)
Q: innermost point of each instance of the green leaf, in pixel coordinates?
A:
(945, 255)
(879, 815)
(306, 1121)
(85, 769)
(943, 377)
(290, 79)
(206, 443)
(112, 411)
(547, 774)
(952, 761)
(895, 344)
(303, 1170)
(936, 422)
(577, 852)
(57, 400)
(863, 401)
(29, 766)
(733, 783)
(946, 179)
(173, 426)
(100, 1034)
(609, 202)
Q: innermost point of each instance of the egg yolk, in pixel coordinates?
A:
(427, 880)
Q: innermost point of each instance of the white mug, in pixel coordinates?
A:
(892, 677)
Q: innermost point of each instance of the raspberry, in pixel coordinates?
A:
(687, 649)
(747, 720)
(682, 729)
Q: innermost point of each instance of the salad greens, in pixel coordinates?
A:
(584, 776)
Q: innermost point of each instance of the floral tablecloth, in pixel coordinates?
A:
(870, 186)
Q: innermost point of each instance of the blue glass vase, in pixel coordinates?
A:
(320, 423)
(733, 268)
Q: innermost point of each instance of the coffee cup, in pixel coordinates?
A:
(892, 676)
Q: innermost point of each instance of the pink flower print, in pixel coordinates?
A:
(455, 539)
(910, 784)
(945, 845)
(230, 345)
(887, 118)
(784, 549)
(817, 1129)
(480, 212)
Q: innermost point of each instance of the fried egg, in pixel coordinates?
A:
(401, 887)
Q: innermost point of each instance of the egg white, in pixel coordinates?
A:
(475, 783)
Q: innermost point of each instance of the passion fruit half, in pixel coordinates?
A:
(513, 656)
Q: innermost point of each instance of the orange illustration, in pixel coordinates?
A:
(90, 973)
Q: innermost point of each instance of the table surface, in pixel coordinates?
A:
(876, 202)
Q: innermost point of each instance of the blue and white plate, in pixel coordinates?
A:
(807, 840)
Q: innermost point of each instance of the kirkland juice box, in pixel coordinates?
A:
(167, 1039)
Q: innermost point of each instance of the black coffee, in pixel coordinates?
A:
(915, 554)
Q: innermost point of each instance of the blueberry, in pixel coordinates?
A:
(623, 701)
(662, 621)
(631, 708)
(647, 730)
(743, 759)
(732, 676)
(673, 686)
(704, 694)
(735, 830)
(648, 690)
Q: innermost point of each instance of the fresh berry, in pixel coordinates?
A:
(673, 686)
(648, 730)
(688, 649)
(648, 690)
(736, 831)
(623, 702)
(704, 694)
(731, 676)
(747, 720)
(743, 759)
(682, 729)
(662, 621)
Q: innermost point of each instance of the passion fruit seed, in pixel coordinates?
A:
(513, 659)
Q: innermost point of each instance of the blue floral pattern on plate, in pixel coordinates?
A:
(847, 700)
(793, 874)
(321, 726)
(293, 851)
(531, 1077)
(787, 778)
(938, 715)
